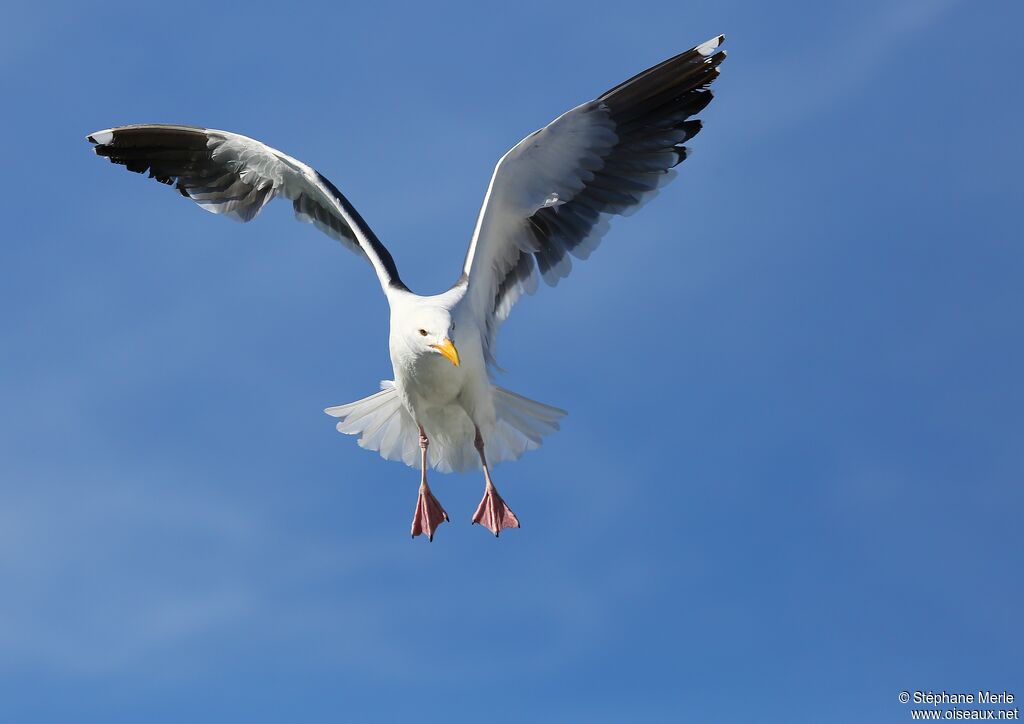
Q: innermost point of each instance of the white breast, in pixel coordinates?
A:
(432, 380)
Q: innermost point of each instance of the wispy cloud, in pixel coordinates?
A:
(107, 575)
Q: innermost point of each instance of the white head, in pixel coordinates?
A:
(429, 330)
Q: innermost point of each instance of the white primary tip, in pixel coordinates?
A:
(707, 48)
(101, 138)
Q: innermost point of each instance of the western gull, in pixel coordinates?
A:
(550, 197)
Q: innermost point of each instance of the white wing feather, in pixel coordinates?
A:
(551, 195)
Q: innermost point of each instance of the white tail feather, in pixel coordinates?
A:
(383, 424)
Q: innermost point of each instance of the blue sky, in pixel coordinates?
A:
(790, 483)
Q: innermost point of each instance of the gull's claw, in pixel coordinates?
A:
(493, 514)
(429, 514)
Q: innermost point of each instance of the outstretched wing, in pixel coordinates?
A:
(551, 195)
(229, 174)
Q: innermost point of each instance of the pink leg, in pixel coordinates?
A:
(429, 513)
(492, 513)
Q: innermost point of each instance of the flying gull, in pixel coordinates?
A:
(550, 197)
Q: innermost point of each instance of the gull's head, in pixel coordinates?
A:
(430, 331)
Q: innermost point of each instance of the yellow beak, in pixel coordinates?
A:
(448, 350)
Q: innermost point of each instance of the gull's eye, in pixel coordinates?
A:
(423, 333)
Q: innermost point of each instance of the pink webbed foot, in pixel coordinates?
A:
(493, 514)
(429, 514)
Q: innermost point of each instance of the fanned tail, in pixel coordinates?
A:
(384, 425)
(521, 424)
